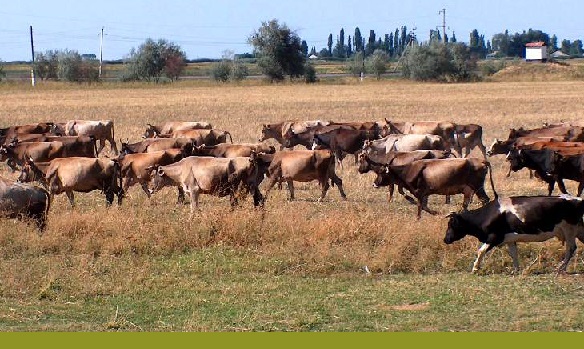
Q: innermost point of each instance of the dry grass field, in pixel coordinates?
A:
(147, 266)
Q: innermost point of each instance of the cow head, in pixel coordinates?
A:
(158, 179)
(497, 147)
(30, 172)
(515, 160)
(150, 131)
(456, 228)
(363, 163)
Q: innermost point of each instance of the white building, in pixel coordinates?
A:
(536, 51)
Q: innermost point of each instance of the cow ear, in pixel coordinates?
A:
(451, 214)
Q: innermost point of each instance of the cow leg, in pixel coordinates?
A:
(291, 188)
(339, 183)
(509, 172)
(113, 146)
(194, 195)
(447, 200)
(512, 249)
(562, 187)
(71, 197)
(272, 179)
(570, 232)
(423, 205)
(390, 191)
(551, 187)
(181, 196)
(480, 255)
(144, 186)
(101, 146)
(482, 195)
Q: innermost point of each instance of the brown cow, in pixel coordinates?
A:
(304, 166)
(423, 178)
(407, 142)
(444, 129)
(468, 137)
(137, 168)
(66, 175)
(18, 200)
(278, 130)
(16, 153)
(102, 130)
(207, 175)
(226, 150)
(202, 136)
(9, 133)
(156, 144)
(171, 126)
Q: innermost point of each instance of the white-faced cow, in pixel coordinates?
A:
(171, 126)
(207, 175)
(520, 219)
(304, 166)
(407, 142)
(20, 200)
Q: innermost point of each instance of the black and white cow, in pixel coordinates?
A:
(520, 219)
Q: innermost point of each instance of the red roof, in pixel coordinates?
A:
(535, 44)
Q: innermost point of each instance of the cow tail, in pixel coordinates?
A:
(332, 168)
(490, 169)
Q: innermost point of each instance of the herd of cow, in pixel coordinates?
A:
(424, 158)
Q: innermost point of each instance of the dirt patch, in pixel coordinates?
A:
(535, 71)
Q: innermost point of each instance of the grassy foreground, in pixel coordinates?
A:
(297, 266)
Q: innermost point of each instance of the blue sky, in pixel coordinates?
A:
(208, 28)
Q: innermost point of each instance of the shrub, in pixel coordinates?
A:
(450, 62)
(309, 73)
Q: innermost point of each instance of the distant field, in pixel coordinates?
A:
(298, 266)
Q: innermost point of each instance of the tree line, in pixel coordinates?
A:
(394, 44)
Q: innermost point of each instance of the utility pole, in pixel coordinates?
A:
(443, 12)
(32, 65)
(100, 51)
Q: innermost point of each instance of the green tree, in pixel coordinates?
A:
(71, 67)
(278, 50)
(371, 43)
(358, 40)
(357, 64)
(440, 62)
(576, 48)
(153, 59)
(349, 47)
(329, 44)
(2, 72)
(377, 63)
(566, 46)
(46, 65)
(340, 50)
(304, 48)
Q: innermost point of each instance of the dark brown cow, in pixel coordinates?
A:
(226, 150)
(171, 126)
(18, 200)
(67, 175)
(343, 141)
(423, 178)
(377, 163)
(137, 168)
(9, 133)
(207, 175)
(304, 166)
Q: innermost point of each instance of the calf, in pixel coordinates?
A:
(343, 141)
(304, 166)
(520, 219)
(18, 200)
(423, 178)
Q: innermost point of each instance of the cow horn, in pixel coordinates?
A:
(451, 214)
